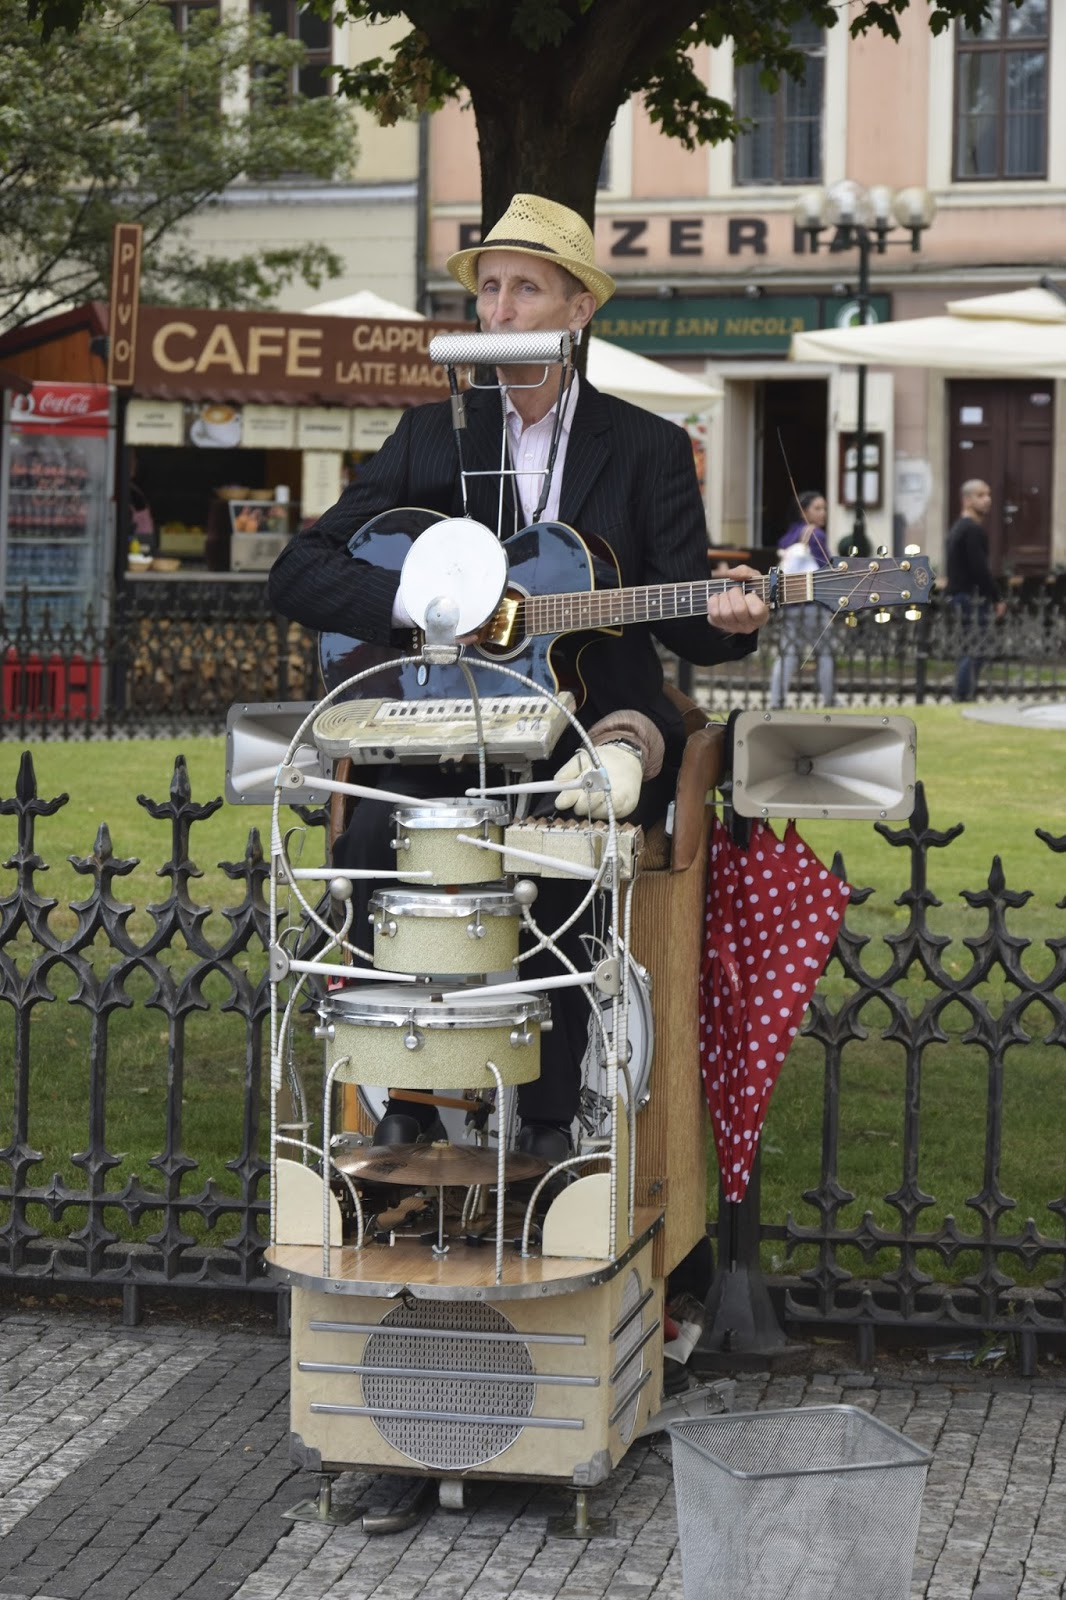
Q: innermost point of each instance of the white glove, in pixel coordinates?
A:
(625, 772)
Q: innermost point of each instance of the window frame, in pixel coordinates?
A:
(781, 123)
(1003, 46)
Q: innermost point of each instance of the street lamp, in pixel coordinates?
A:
(863, 219)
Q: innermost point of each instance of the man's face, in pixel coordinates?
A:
(517, 293)
(979, 501)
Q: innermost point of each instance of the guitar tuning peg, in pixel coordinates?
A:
(882, 550)
(912, 550)
(882, 616)
(912, 614)
(851, 620)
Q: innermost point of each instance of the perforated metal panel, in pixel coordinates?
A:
(627, 1363)
(498, 1387)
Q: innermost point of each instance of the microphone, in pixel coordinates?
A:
(546, 347)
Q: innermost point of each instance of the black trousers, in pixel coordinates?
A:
(366, 843)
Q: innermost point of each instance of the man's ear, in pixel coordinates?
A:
(583, 307)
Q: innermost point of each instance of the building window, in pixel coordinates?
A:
(297, 21)
(182, 11)
(1001, 78)
(784, 141)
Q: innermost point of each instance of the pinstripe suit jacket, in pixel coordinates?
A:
(628, 477)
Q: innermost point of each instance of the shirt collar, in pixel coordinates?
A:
(515, 424)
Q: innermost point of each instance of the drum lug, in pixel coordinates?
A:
(521, 1036)
(385, 929)
(412, 1039)
(325, 1030)
(399, 844)
(476, 929)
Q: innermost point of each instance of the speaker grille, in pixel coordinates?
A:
(448, 1445)
(628, 1359)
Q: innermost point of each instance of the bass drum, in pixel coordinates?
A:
(591, 1120)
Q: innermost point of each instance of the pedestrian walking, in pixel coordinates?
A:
(803, 547)
(971, 587)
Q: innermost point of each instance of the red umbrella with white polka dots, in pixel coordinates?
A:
(772, 917)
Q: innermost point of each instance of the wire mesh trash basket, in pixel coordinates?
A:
(803, 1504)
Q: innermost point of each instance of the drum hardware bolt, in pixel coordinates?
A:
(521, 1036)
(400, 844)
(387, 930)
(290, 777)
(608, 976)
(412, 1039)
(476, 929)
(324, 1030)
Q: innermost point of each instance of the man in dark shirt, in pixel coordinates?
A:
(971, 587)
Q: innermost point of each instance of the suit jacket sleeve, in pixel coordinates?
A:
(315, 581)
(675, 551)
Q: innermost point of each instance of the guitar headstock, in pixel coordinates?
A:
(861, 583)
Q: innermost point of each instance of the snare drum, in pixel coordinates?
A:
(437, 932)
(426, 840)
(386, 1035)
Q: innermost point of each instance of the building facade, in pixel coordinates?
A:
(714, 276)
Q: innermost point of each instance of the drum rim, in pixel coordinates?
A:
(441, 905)
(476, 1010)
(445, 814)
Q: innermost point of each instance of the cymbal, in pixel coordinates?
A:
(433, 1165)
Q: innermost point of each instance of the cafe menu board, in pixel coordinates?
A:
(155, 422)
(216, 424)
(320, 481)
(269, 427)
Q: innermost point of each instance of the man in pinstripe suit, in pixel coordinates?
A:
(604, 467)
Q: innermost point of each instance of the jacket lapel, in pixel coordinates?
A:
(587, 453)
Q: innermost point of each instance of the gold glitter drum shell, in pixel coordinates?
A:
(390, 1034)
(439, 933)
(427, 841)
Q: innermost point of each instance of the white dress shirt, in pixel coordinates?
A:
(529, 448)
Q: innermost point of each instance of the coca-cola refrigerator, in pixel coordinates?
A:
(57, 531)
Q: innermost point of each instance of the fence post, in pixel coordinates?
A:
(921, 656)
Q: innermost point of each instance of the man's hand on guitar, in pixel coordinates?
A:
(736, 609)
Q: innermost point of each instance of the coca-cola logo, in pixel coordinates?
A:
(53, 404)
(60, 403)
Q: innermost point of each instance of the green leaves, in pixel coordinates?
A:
(128, 121)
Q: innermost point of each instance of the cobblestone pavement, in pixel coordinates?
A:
(153, 1463)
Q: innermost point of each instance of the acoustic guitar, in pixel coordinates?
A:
(563, 588)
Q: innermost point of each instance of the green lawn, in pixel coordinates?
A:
(1001, 782)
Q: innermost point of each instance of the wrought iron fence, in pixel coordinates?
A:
(104, 1225)
(149, 671)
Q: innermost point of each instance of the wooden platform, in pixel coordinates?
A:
(466, 1273)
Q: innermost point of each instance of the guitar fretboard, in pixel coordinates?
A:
(655, 602)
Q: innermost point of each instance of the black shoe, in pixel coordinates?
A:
(547, 1140)
(396, 1127)
(550, 1143)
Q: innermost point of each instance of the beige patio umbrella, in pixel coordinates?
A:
(1022, 331)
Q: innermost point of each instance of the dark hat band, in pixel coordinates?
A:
(517, 244)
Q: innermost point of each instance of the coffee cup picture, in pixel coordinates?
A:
(218, 424)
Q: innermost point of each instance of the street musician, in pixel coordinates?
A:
(587, 460)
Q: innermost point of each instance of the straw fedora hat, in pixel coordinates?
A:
(536, 227)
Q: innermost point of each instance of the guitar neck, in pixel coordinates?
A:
(654, 602)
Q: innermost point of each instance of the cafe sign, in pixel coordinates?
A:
(278, 358)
